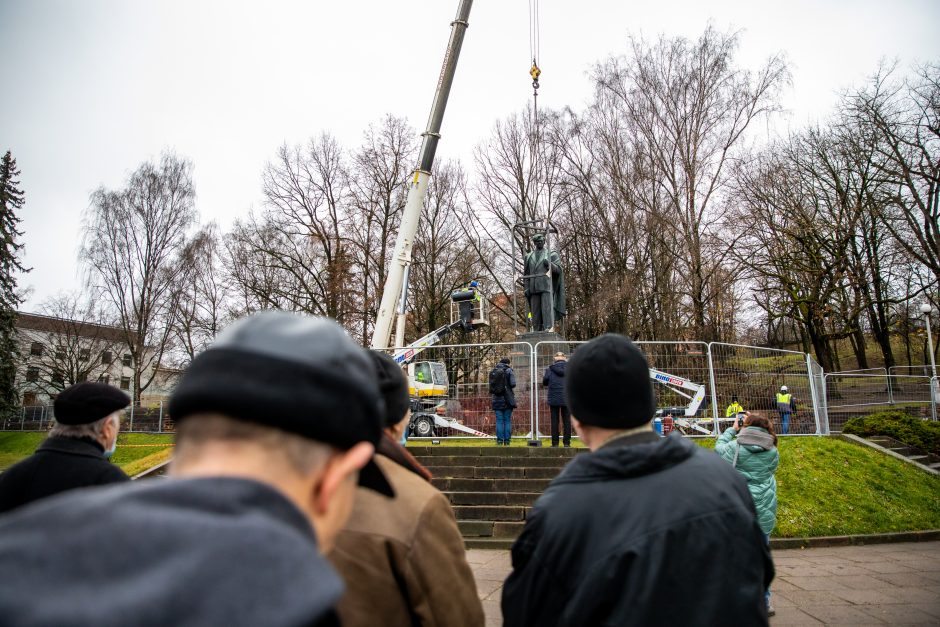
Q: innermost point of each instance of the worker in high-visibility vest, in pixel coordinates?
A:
(734, 407)
(785, 407)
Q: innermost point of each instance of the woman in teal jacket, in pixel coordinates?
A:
(754, 454)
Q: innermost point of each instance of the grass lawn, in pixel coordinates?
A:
(135, 452)
(826, 487)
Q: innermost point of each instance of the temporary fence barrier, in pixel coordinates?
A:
(462, 405)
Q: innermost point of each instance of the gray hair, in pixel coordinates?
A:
(94, 430)
(301, 454)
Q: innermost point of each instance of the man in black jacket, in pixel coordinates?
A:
(643, 530)
(76, 453)
(274, 423)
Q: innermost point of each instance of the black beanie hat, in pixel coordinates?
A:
(84, 403)
(295, 373)
(607, 384)
(393, 386)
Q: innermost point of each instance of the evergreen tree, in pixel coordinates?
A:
(11, 200)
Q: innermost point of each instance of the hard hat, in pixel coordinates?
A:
(784, 388)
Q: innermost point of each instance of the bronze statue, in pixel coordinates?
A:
(546, 298)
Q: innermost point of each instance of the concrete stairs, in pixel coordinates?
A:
(492, 489)
(915, 455)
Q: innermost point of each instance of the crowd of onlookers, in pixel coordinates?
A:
(292, 502)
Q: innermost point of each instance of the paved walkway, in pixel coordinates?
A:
(896, 584)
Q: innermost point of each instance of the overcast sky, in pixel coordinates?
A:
(92, 88)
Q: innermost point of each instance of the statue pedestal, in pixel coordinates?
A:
(533, 338)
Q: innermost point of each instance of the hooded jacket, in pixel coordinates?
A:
(506, 400)
(403, 559)
(758, 459)
(554, 378)
(620, 535)
(182, 552)
(58, 465)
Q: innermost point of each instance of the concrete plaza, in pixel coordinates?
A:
(897, 584)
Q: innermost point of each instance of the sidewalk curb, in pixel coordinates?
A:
(862, 441)
(931, 535)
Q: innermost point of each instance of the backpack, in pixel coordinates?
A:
(497, 381)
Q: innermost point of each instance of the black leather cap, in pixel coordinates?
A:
(393, 386)
(607, 384)
(84, 403)
(295, 373)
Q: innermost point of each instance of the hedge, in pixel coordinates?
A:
(922, 434)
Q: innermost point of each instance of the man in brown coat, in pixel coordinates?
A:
(403, 558)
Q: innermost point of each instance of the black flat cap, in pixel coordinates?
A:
(393, 387)
(84, 403)
(295, 373)
(607, 384)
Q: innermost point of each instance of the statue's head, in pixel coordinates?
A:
(539, 240)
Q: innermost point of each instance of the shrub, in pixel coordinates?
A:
(922, 434)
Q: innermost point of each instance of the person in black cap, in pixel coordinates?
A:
(403, 559)
(623, 528)
(274, 422)
(76, 453)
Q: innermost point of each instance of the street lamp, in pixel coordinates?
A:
(925, 309)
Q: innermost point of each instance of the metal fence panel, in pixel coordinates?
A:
(850, 395)
(467, 399)
(755, 374)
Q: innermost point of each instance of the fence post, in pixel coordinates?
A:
(42, 417)
(933, 397)
(131, 427)
(812, 390)
(23, 420)
(714, 393)
(533, 401)
(160, 422)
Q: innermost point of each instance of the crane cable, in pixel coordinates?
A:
(534, 42)
(534, 72)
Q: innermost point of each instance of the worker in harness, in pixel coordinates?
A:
(734, 407)
(785, 407)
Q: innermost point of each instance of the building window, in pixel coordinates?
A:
(60, 354)
(125, 383)
(29, 398)
(127, 359)
(57, 378)
(84, 354)
(105, 358)
(32, 374)
(104, 379)
(35, 349)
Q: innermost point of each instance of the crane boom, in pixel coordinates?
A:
(401, 257)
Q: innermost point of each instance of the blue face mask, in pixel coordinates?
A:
(108, 453)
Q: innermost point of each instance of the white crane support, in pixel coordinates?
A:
(404, 356)
(401, 257)
(695, 392)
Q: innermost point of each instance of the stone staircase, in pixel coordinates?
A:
(492, 488)
(915, 455)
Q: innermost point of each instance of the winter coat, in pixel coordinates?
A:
(757, 461)
(403, 559)
(182, 552)
(620, 535)
(506, 400)
(554, 378)
(58, 465)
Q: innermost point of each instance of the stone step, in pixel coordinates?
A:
(494, 461)
(490, 485)
(492, 498)
(920, 459)
(494, 544)
(935, 466)
(490, 529)
(494, 451)
(499, 472)
(502, 513)
(901, 450)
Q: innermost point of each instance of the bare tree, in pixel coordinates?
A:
(688, 108)
(203, 302)
(133, 238)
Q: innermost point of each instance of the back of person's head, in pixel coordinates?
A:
(759, 420)
(504, 360)
(607, 384)
(88, 410)
(278, 391)
(393, 387)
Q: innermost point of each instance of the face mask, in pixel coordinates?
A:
(108, 453)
